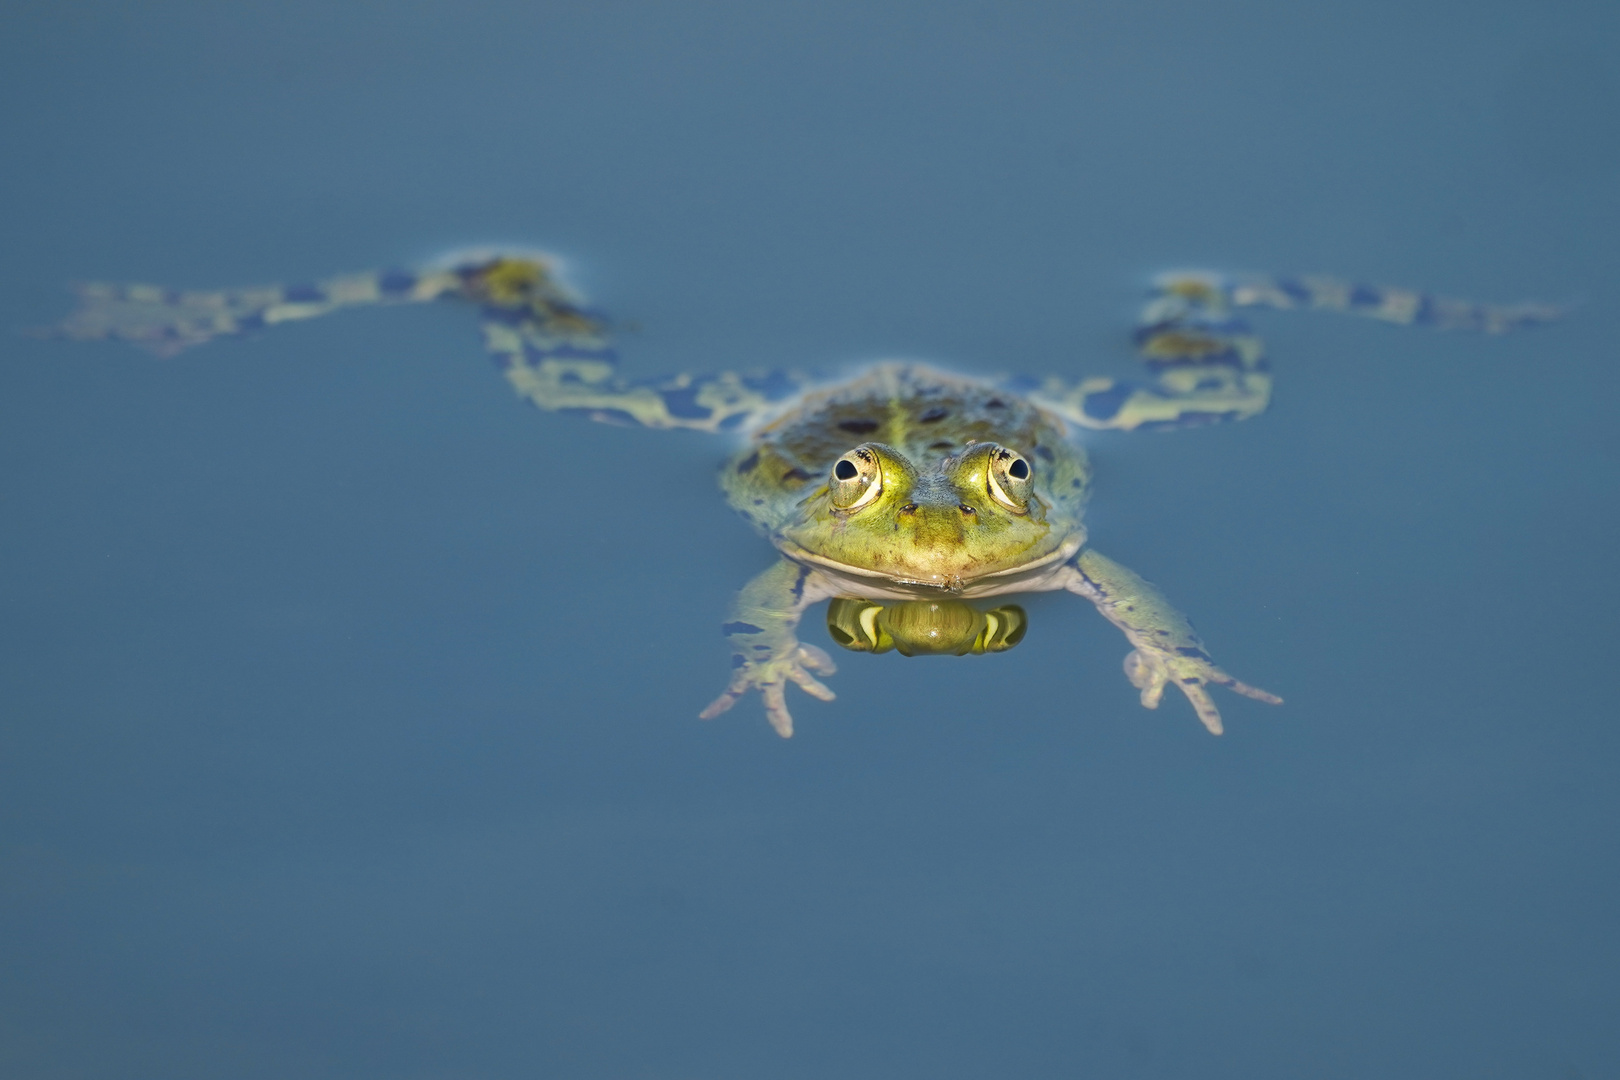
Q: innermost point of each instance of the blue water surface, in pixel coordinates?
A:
(348, 706)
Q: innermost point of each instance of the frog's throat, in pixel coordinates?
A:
(1037, 575)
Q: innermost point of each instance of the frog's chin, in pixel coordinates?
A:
(1035, 574)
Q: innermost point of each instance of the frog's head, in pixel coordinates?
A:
(944, 522)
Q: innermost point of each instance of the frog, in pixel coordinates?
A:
(902, 493)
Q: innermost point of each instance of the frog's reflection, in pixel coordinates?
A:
(924, 627)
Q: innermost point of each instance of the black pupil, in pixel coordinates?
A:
(845, 470)
(1019, 470)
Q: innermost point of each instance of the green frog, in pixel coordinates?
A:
(900, 494)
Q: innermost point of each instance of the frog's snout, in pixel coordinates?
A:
(936, 515)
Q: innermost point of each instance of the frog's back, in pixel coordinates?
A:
(919, 410)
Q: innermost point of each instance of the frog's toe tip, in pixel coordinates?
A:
(717, 706)
(817, 660)
(1256, 693)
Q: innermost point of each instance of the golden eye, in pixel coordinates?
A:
(856, 480)
(1009, 480)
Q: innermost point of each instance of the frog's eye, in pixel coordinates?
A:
(1009, 480)
(856, 480)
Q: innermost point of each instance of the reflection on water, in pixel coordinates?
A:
(924, 627)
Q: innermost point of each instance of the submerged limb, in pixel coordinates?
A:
(552, 348)
(766, 655)
(167, 321)
(1209, 366)
(512, 289)
(1166, 648)
(1404, 306)
(559, 358)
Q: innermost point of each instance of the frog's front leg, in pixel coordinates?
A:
(765, 653)
(1167, 648)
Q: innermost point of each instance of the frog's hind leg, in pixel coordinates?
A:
(1403, 306)
(1209, 366)
(166, 321)
(563, 362)
(553, 349)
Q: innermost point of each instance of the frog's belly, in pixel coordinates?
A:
(1040, 575)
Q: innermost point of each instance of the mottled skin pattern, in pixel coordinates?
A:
(951, 517)
(901, 492)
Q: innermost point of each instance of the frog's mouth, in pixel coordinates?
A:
(1028, 576)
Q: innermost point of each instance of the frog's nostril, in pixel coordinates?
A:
(967, 511)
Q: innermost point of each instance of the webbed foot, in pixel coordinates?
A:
(770, 676)
(1191, 672)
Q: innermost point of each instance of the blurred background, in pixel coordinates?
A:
(348, 705)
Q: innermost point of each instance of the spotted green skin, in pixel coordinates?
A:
(935, 530)
(934, 527)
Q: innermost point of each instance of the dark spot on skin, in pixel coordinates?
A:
(941, 446)
(796, 474)
(1190, 680)
(1362, 296)
(1044, 453)
(1187, 650)
(933, 416)
(1296, 290)
(1105, 404)
(859, 427)
(1074, 483)
(846, 470)
(740, 628)
(759, 502)
(304, 294)
(683, 403)
(798, 586)
(748, 463)
(995, 403)
(396, 281)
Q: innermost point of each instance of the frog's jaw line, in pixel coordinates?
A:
(1044, 574)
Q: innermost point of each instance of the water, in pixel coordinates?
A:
(349, 704)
